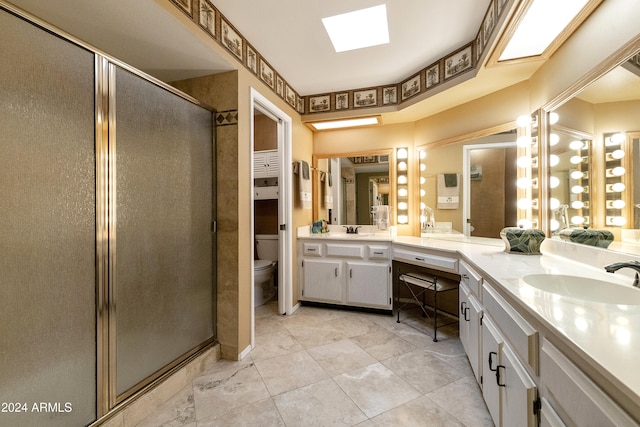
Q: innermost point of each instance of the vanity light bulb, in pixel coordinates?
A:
(523, 183)
(575, 160)
(422, 205)
(576, 174)
(402, 166)
(524, 203)
(423, 180)
(422, 193)
(403, 219)
(402, 206)
(618, 187)
(524, 120)
(402, 153)
(577, 189)
(423, 154)
(618, 220)
(577, 220)
(554, 224)
(576, 145)
(423, 218)
(617, 154)
(553, 118)
(554, 203)
(402, 192)
(617, 138)
(554, 160)
(618, 204)
(554, 182)
(618, 171)
(402, 179)
(523, 141)
(577, 204)
(524, 161)
(423, 167)
(554, 139)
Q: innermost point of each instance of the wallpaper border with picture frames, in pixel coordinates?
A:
(447, 69)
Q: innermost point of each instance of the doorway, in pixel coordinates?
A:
(261, 106)
(489, 189)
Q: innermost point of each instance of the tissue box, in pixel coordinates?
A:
(599, 238)
(522, 241)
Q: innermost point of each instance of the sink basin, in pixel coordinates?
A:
(584, 288)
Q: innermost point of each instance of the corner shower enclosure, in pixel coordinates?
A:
(107, 245)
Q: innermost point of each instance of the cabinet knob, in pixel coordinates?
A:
(336, 271)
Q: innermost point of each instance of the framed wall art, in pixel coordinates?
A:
(231, 40)
(185, 5)
(266, 74)
(319, 103)
(365, 98)
(207, 17)
(411, 87)
(389, 95)
(458, 62)
(252, 59)
(342, 101)
(432, 75)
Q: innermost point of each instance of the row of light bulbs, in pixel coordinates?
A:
(402, 157)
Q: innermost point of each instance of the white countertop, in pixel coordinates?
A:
(607, 335)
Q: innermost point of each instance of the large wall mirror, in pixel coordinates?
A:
(482, 199)
(346, 186)
(599, 135)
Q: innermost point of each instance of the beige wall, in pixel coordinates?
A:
(231, 91)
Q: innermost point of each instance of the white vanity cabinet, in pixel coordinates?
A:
(573, 397)
(470, 316)
(346, 273)
(266, 164)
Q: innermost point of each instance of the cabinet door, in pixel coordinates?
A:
(368, 284)
(517, 391)
(470, 317)
(492, 343)
(322, 281)
(259, 164)
(273, 164)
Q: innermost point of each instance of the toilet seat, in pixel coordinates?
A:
(262, 264)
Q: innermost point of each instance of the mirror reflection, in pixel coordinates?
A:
(569, 178)
(485, 171)
(349, 187)
(607, 112)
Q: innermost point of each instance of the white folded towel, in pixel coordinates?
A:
(448, 197)
(328, 191)
(304, 181)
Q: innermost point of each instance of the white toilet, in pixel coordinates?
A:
(264, 268)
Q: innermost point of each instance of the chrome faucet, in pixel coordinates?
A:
(629, 264)
(351, 230)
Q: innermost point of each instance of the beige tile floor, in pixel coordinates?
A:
(327, 367)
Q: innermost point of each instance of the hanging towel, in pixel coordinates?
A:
(448, 195)
(450, 180)
(304, 176)
(328, 191)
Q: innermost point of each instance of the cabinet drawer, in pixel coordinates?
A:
(312, 249)
(378, 252)
(426, 260)
(522, 336)
(578, 400)
(349, 251)
(471, 278)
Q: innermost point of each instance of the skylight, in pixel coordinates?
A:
(358, 29)
(542, 24)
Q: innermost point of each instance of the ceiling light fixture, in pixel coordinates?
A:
(358, 29)
(543, 22)
(345, 123)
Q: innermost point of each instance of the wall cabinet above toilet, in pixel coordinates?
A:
(266, 164)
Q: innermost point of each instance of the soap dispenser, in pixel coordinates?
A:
(427, 220)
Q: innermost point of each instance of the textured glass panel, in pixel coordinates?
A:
(164, 276)
(47, 228)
